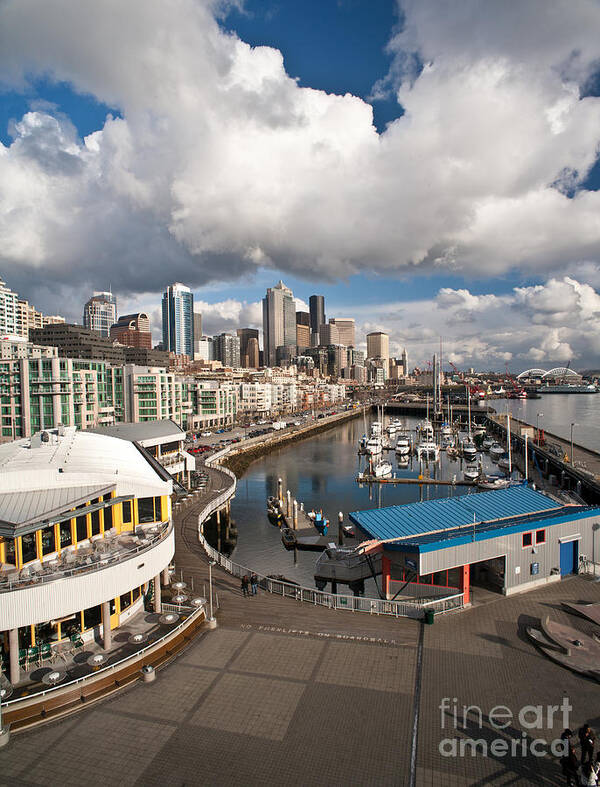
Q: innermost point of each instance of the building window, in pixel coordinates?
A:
(145, 510)
(9, 551)
(527, 539)
(540, 536)
(92, 617)
(108, 518)
(66, 536)
(127, 512)
(28, 548)
(81, 528)
(95, 517)
(125, 601)
(48, 540)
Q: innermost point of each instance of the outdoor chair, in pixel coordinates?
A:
(33, 653)
(76, 641)
(22, 657)
(46, 652)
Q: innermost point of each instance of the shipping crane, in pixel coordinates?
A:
(517, 392)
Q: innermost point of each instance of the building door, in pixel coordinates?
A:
(569, 555)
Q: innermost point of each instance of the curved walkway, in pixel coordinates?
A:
(282, 692)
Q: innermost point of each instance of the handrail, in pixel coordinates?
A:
(110, 667)
(105, 560)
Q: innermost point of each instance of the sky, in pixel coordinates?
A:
(432, 174)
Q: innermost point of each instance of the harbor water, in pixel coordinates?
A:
(559, 412)
(321, 472)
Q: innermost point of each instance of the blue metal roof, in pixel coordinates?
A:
(481, 532)
(412, 519)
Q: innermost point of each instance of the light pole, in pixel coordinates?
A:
(537, 426)
(211, 563)
(572, 462)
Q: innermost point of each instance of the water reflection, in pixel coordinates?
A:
(321, 472)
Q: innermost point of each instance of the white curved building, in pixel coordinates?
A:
(85, 532)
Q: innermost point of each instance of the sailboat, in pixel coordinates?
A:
(468, 447)
(427, 447)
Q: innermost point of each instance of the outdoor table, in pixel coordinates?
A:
(97, 660)
(138, 639)
(199, 601)
(180, 598)
(54, 677)
(169, 618)
(178, 585)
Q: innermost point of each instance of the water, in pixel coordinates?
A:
(320, 472)
(560, 410)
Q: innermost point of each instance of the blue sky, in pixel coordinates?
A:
(456, 196)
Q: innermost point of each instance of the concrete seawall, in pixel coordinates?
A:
(241, 455)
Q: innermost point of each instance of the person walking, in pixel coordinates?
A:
(245, 585)
(588, 775)
(569, 767)
(587, 740)
(254, 583)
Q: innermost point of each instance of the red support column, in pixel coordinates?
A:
(465, 582)
(386, 568)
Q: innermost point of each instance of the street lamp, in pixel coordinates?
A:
(572, 462)
(537, 426)
(211, 563)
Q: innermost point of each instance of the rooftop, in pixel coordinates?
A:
(434, 516)
(147, 430)
(44, 477)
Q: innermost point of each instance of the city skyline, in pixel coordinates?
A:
(389, 161)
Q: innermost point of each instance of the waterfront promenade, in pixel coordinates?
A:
(283, 692)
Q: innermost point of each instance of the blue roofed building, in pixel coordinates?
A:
(506, 540)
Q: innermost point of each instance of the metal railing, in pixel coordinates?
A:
(374, 606)
(111, 667)
(101, 561)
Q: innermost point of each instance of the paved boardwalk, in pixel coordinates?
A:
(286, 693)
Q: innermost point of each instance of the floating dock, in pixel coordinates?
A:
(371, 479)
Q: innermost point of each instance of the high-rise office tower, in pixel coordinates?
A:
(244, 335)
(346, 330)
(197, 331)
(302, 330)
(253, 353)
(227, 349)
(328, 334)
(316, 304)
(404, 362)
(100, 312)
(378, 345)
(279, 321)
(178, 319)
(132, 330)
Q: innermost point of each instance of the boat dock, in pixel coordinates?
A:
(299, 531)
(371, 479)
(554, 462)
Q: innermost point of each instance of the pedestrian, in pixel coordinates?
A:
(254, 583)
(587, 740)
(569, 766)
(245, 585)
(588, 775)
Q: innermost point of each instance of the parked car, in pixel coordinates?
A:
(206, 434)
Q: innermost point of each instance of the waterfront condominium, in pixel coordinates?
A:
(100, 312)
(279, 321)
(178, 319)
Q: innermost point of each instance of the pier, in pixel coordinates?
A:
(371, 479)
(551, 462)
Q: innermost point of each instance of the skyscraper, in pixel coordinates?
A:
(245, 334)
(378, 345)
(253, 353)
(279, 321)
(346, 330)
(227, 349)
(316, 304)
(132, 330)
(100, 312)
(178, 319)
(302, 330)
(197, 331)
(329, 334)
